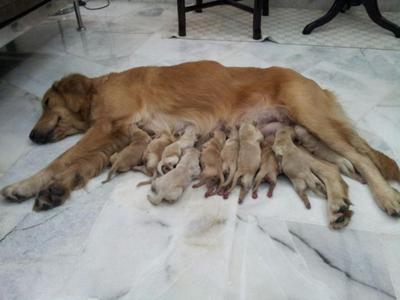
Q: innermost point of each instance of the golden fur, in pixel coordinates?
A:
(204, 94)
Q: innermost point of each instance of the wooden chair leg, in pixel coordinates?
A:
(257, 19)
(199, 2)
(181, 18)
(265, 11)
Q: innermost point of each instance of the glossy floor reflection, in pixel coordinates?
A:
(108, 242)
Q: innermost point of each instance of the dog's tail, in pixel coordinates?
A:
(387, 166)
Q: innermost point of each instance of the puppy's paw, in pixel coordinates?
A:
(390, 203)
(339, 213)
(19, 191)
(55, 195)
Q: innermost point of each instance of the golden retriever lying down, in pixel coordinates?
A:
(203, 94)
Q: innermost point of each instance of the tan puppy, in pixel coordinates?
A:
(152, 155)
(248, 160)
(172, 153)
(320, 150)
(211, 163)
(130, 156)
(305, 171)
(269, 169)
(229, 156)
(171, 186)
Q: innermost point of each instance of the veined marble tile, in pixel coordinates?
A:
(391, 248)
(19, 110)
(349, 262)
(37, 158)
(385, 63)
(156, 51)
(162, 252)
(36, 72)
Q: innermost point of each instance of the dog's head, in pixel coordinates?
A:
(66, 109)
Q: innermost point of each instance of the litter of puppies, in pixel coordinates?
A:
(247, 155)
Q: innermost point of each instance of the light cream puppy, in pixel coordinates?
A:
(171, 186)
(229, 156)
(305, 171)
(152, 155)
(269, 169)
(132, 155)
(248, 160)
(211, 163)
(322, 151)
(172, 153)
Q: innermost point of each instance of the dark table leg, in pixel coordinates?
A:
(265, 11)
(78, 16)
(199, 2)
(181, 18)
(373, 11)
(257, 19)
(334, 10)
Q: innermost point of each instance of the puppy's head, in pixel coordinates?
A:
(66, 109)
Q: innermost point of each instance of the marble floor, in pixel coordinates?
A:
(108, 242)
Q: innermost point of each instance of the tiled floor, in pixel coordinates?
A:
(108, 242)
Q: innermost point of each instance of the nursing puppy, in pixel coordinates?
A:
(229, 156)
(248, 160)
(211, 163)
(172, 153)
(320, 150)
(304, 171)
(269, 169)
(131, 156)
(152, 154)
(171, 186)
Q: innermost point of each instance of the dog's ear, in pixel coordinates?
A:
(76, 88)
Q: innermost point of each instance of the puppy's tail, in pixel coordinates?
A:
(147, 181)
(110, 174)
(228, 181)
(141, 169)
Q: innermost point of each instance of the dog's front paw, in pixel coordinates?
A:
(390, 203)
(19, 191)
(55, 195)
(339, 213)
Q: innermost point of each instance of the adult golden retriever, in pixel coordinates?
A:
(203, 93)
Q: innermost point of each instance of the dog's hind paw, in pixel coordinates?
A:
(390, 203)
(55, 195)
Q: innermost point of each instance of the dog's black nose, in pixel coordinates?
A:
(37, 137)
